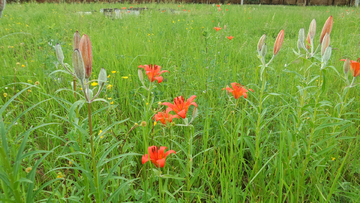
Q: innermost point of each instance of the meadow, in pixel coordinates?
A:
(294, 138)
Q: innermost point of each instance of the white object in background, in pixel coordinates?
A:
(118, 14)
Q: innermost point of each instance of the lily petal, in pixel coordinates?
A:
(145, 159)
(160, 162)
(169, 152)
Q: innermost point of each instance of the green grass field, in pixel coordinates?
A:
(294, 139)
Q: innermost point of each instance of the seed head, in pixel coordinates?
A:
(143, 123)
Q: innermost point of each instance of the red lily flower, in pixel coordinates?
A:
(153, 72)
(180, 106)
(165, 116)
(217, 28)
(355, 67)
(237, 90)
(157, 156)
(230, 37)
(218, 6)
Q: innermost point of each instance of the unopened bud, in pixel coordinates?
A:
(59, 53)
(325, 44)
(302, 35)
(327, 28)
(78, 65)
(263, 50)
(278, 42)
(136, 124)
(299, 45)
(261, 43)
(308, 41)
(102, 77)
(173, 124)
(312, 29)
(143, 123)
(76, 40)
(141, 76)
(347, 66)
(327, 54)
(2, 6)
(86, 52)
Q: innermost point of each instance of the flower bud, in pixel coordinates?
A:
(102, 77)
(327, 28)
(59, 53)
(347, 66)
(143, 123)
(302, 35)
(2, 6)
(141, 76)
(299, 45)
(76, 40)
(308, 41)
(278, 42)
(312, 29)
(86, 53)
(261, 43)
(78, 64)
(327, 54)
(263, 50)
(325, 44)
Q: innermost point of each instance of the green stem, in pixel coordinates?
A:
(93, 153)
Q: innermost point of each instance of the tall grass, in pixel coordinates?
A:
(300, 124)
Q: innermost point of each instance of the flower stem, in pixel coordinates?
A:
(93, 152)
(74, 86)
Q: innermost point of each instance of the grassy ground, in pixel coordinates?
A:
(294, 139)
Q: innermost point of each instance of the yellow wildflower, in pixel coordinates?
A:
(113, 71)
(125, 77)
(5, 94)
(60, 175)
(155, 123)
(100, 132)
(112, 102)
(94, 84)
(23, 65)
(333, 158)
(109, 98)
(70, 162)
(109, 86)
(108, 76)
(29, 90)
(28, 169)
(18, 63)
(101, 137)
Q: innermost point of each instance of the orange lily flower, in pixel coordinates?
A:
(157, 156)
(218, 6)
(165, 116)
(230, 37)
(217, 28)
(153, 72)
(237, 90)
(180, 107)
(355, 67)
